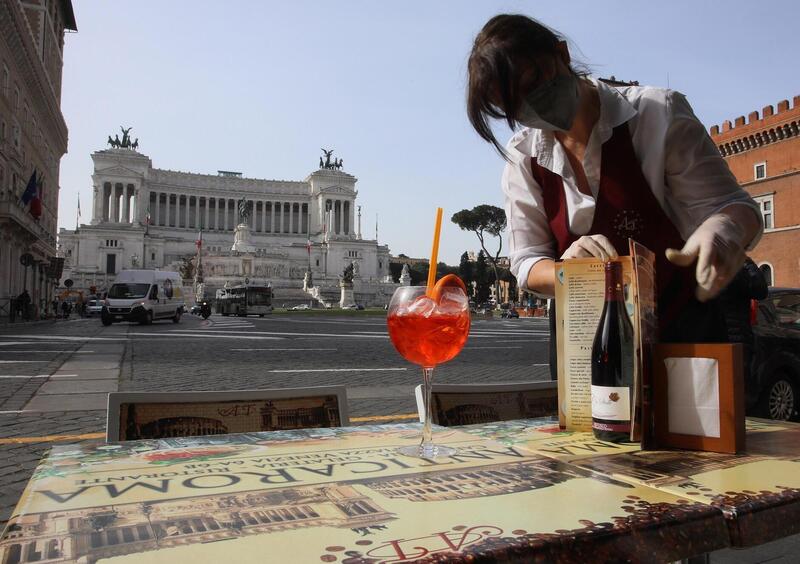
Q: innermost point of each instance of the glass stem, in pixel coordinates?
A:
(427, 375)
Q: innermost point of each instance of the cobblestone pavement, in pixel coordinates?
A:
(54, 377)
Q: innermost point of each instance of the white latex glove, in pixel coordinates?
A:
(717, 245)
(591, 246)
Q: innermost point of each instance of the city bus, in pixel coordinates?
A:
(244, 300)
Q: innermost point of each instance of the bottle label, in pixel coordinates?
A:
(611, 403)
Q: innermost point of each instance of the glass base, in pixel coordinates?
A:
(429, 450)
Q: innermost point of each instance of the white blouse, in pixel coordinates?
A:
(683, 167)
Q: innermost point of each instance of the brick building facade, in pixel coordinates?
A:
(763, 153)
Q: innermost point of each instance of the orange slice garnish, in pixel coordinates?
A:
(448, 281)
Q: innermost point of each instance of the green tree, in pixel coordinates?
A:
(484, 220)
(466, 272)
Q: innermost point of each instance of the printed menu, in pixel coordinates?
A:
(579, 294)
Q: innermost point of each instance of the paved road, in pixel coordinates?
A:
(54, 376)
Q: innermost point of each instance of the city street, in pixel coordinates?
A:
(54, 376)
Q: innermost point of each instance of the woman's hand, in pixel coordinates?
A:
(718, 247)
(591, 246)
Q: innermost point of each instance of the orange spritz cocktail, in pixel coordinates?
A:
(429, 328)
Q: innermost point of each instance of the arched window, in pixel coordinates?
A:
(766, 270)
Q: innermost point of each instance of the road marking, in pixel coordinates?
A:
(39, 376)
(384, 417)
(492, 348)
(339, 370)
(206, 336)
(381, 336)
(21, 361)
(44, 351)
(67, 338)
(49, 438)
(275, 349)
(10, 343)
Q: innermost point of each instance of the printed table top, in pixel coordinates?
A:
(342, 495)
(758, 491)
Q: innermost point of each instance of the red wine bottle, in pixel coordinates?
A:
(612, 364)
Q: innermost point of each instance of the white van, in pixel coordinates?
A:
(143, 296)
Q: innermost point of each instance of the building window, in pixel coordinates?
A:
(766, 270)
(152, 256)
(6, 80)
(760, 170)
(111, 264)
(317, 262)
(767, 210)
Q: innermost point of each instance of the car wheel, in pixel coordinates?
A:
(148, 318)
(780, 398)
(177, 318)
(107, 321)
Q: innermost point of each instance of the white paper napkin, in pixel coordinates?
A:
(693, 396)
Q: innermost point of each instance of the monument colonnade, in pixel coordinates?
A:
(120, 202)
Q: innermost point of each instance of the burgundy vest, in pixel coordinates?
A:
(625, 208)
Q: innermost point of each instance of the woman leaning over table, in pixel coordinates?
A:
(591, 165)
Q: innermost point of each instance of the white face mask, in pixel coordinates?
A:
(552, 106)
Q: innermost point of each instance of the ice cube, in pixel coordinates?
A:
(423, 306)
(453, 302)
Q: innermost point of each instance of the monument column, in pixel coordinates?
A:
(157, 217)
(114, 218)
(291, 216)
(224, 214)
(272, 217)
(126, 204)
(206, 201)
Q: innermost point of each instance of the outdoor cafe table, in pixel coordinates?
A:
(758, 491)
(342, 495)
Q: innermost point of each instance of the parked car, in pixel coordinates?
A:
(300, 307)
(94, 307)
(773, 383)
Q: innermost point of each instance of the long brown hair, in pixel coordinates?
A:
(506, 46)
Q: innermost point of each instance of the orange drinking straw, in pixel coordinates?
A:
(437, 230)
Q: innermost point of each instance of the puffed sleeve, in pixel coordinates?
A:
(696, 175)
(529, 236)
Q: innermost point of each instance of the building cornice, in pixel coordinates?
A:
(765, 181)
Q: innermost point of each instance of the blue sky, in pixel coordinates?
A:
(260, 87)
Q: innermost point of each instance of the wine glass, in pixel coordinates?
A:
(428, 330)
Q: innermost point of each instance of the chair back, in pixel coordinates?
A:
(157, 415)
(467, 404)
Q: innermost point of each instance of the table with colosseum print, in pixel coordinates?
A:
(758, 490)
(341, 495)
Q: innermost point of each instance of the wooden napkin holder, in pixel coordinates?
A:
(687, 431)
